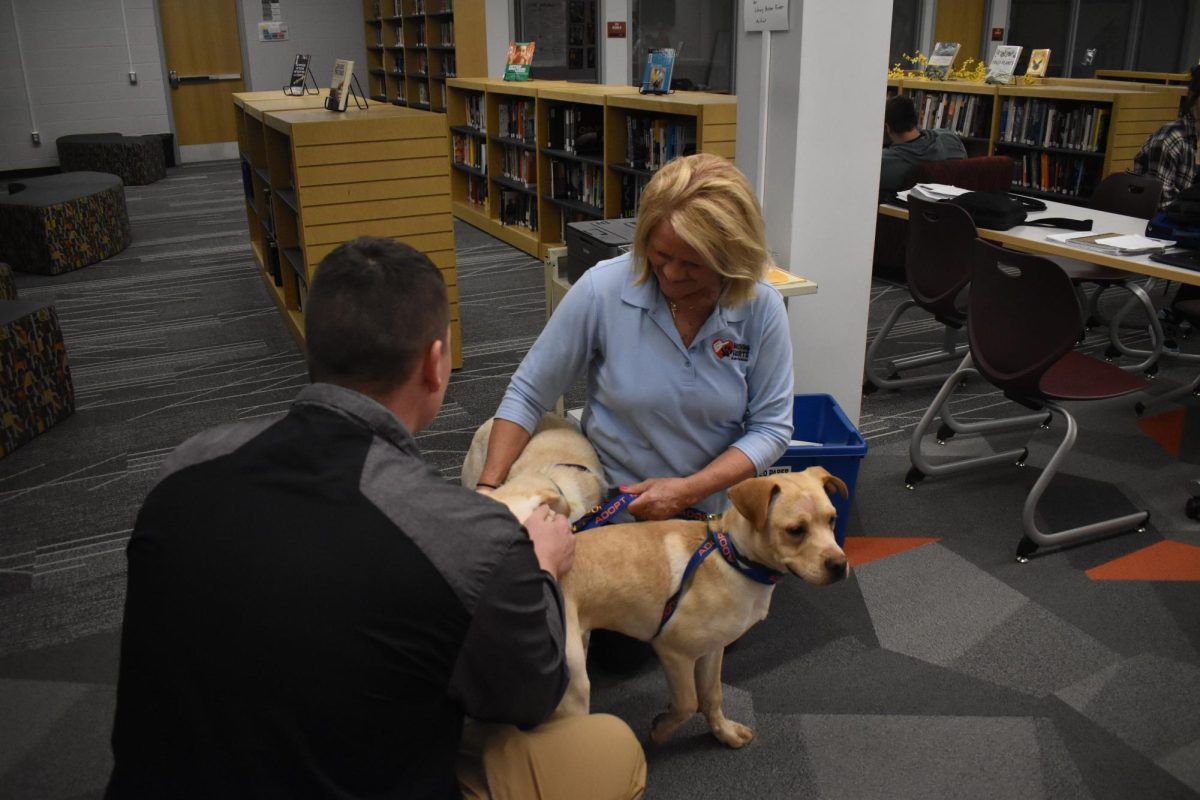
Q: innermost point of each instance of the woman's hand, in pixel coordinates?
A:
(660, 498)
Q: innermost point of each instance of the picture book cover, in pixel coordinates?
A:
(1004, 63)
(339, 86)
(1038, 61)
(656, 78)
(299, 75)
(941, 60)
(520, 58)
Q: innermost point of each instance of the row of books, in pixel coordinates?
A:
(631, 194)
(576, 129)
(447, 31)
(470, 151)
(475, 112)
(583, 183)
(965, 114)
(520, 165)
(650, 143)
(1044, 123)
(517, 119)
(518, 208)
(396, 9)
(420, 63)
(1052, 172)
(477, 190)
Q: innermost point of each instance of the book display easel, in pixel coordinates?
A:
(559, 152)
(316, 179)
(414, 46)
(1064, 135)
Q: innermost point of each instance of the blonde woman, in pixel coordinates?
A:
(685, 348)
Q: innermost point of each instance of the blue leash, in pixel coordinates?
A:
(717, 541)
(603, 513)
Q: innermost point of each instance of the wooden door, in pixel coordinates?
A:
(962, 22)
(204, 63)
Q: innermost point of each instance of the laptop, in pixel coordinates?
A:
(1188, 259)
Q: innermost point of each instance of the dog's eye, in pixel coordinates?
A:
(798, 531)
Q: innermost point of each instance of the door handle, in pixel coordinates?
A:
(175, 79)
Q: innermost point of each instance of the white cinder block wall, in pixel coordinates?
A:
(325, 29)
(78, 71)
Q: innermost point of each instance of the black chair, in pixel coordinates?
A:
(1022, 325)
(937, 269)
(1133, 196)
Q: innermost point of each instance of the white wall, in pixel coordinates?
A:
(822, 165)
(499, 20)
(997, 18)
(615, 58)
(323, 29)
(78, 71)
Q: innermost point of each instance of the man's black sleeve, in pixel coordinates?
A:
(512, 665)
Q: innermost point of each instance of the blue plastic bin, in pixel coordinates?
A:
(838, 447)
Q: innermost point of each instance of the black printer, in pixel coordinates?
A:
(591, 242)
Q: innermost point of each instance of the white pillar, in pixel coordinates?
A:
(825, 127)
(615, 58)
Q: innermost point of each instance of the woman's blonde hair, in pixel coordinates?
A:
(708, 202)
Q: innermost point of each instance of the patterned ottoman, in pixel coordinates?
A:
(63, 222)
(35, 380)
(138, 160)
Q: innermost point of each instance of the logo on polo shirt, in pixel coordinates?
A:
(734, 351)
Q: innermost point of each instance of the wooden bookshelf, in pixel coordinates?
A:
(659, 128)
(1167, 78)
(1082, 130)
(319, 178)
(414, 46)
(523, 208)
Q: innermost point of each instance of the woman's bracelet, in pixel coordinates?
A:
(486, 485)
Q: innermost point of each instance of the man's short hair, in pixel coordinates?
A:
(900, 114)
(374, 308)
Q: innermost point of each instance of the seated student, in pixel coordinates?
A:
(1170, 156)
(312, 608)
(1170, 153)
(910, 144)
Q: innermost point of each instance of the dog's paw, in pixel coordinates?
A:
(733, 734)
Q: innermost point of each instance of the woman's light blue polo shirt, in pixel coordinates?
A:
(656, 408)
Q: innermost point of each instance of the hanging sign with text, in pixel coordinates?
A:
(765, 15)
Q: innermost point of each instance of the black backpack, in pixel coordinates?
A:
(999, 211)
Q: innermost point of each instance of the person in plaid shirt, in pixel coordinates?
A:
(1170, 153)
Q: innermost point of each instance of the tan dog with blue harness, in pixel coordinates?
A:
(691, 588)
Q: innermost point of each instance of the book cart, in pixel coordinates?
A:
(414, 46)
(1064, 135)
(559, 152)
(318, 179)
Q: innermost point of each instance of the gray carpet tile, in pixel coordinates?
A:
(918, 757)
(944, 671)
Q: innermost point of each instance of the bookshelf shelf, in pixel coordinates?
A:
(514, 184)
(531, 213)
(325, 178)
(468, 169)
(1062, 133)
(423, 46)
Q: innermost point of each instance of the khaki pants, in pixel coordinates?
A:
(595, 757)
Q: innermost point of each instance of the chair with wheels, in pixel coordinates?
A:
(1133, 196)
(1022, 325)
(937, 268)
(979, 174)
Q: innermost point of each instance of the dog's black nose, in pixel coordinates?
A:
(836, 566)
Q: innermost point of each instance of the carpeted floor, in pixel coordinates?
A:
(940, 669)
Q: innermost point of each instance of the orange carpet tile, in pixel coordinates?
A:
(862, 550)
(1164, 561)
(1166, 429)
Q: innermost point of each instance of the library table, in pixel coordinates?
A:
(1032, 239)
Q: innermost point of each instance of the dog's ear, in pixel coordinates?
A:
(830, 482)
(752, 498)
